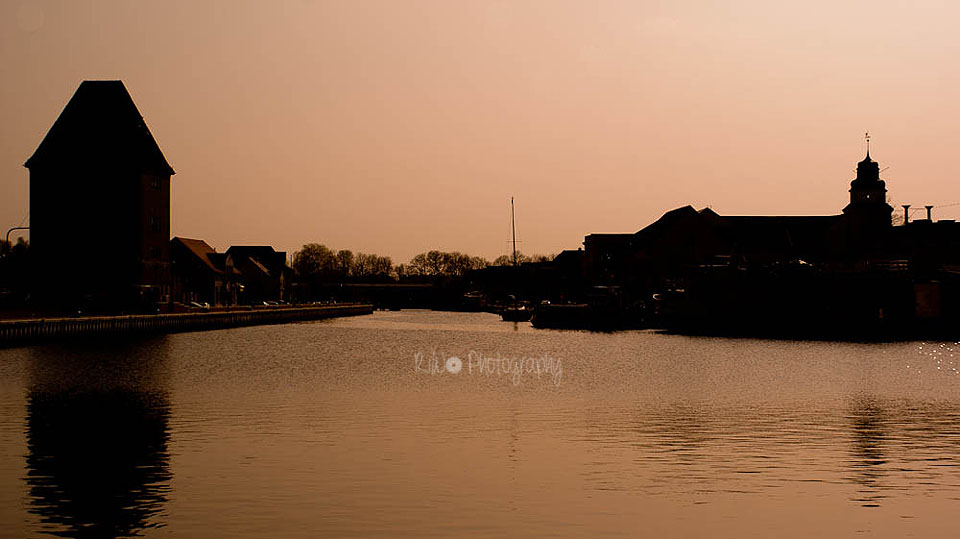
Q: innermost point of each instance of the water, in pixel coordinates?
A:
(355, 427)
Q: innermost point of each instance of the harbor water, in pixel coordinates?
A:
(435, 424)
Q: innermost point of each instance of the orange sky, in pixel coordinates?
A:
(396, 127)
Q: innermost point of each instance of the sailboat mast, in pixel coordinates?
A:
(513, 231)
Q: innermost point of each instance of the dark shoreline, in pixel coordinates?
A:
(42, 330)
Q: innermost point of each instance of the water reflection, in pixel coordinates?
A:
(868, 457)
(97, 434)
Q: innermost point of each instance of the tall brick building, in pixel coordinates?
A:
(100, 205)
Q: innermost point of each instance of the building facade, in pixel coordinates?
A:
(201, 274)
(100, 206)
(263, 272)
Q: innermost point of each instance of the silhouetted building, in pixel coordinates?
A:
(263, 272)
(606, 256)
(201, 274)
(569, 272)
(686, 238)
(100, 205)
(796, 270)
(868, 214)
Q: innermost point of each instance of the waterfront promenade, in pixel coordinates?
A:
(34, 330)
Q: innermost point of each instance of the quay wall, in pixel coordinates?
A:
(38, 330)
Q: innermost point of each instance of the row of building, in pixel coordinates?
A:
(241, 275)
(697, 267)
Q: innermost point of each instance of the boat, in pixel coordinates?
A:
(561, 316)
(603, 310)
(516, 313)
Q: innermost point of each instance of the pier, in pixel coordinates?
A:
(38, 330)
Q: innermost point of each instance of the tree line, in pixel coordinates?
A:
(314, 260)
(317, 262)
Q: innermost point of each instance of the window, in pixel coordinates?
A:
(155, 183)
(154, 223)
(155, 252)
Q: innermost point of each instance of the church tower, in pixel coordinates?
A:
(868, 213)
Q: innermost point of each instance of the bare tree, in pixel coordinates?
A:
(345, 261)
(437, 263)
(382, 266)
(507, 260)
(363, 265)
(542, 258)
(418, 265)
(313, 260)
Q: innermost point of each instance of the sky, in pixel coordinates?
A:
(397, 127)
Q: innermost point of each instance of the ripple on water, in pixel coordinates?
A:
(334, 428)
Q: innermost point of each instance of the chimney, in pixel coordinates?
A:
(929, 209)
(906, 213)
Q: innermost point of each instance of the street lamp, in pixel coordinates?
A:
(15, 228)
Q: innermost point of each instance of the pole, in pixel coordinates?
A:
(513, 231)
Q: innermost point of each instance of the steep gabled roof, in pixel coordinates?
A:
(264, 257)
(201, 250)
(101, 128)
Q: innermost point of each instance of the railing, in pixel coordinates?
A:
(16, 332)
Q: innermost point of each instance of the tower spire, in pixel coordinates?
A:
(866, 136)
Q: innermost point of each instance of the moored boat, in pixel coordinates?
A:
(561, 316)
(516, 313)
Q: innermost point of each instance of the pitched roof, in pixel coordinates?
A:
(256, 263)
(201, 250)
(263, 255)
(672, 220)
(101, 127)
(683, 231)
(568, 256)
